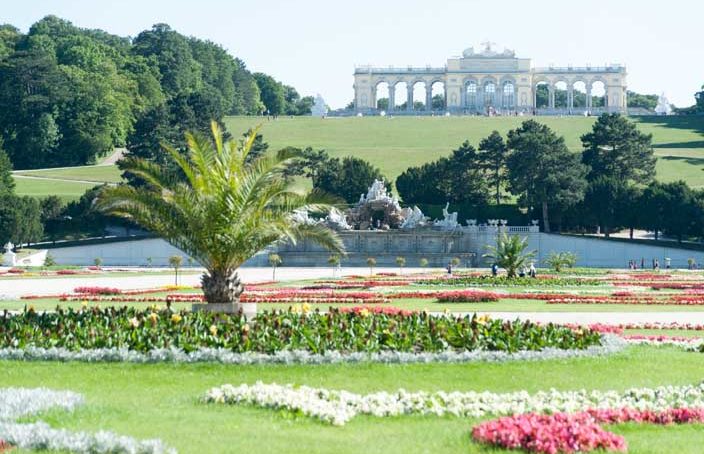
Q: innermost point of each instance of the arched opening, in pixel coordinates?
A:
(508, 95)
(400, 96)
(598, 94)
(489, 94)
(470, 95)
(437, 90)
(419, 96)
(561, 95)
(579, 95)
(542, 95)
(381, 96)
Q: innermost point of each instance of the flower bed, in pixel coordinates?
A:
(338, 407)
(366, 310)
(503, 281)
(97, 291)
(270, 332)
(466, 296)
(579, 432)
(16, 403)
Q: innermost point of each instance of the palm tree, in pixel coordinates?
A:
(509, 253)
(224, 211)
(175, 262)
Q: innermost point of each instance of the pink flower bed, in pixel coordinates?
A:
(466, 296)
(571, 433)
(97, 290)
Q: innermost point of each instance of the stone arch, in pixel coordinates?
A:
(400, 94)
(598, 93)
(507, 92)
(489, 89)
(561, 93)
(470, 90)
(438, 93)
(419, 89)
(541, 93)
(579, 93)
(380, 94)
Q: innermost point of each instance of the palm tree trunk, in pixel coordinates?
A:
(546, 221)
(222, 286)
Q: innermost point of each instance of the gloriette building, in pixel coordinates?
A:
(489, 82)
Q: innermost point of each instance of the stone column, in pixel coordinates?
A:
(589, 97)
(570, 98)
(551, 97)
(392, 97)
(409, 96)
(428, 97)
(535, 97)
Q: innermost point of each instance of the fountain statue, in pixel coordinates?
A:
(319, 109)
(664, 107)
(449, 221)
(414, 218)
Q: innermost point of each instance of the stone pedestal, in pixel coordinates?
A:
(248, 309)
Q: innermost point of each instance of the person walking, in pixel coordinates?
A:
(531, 270)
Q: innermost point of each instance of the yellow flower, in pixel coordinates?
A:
(84, 304)
(153, 317)
(364, 313)
(245, 328)
(176, 318)
(134, 323)
(305, 308)
(296, 308)
(213, 330)
(483, 319)
(31, 308)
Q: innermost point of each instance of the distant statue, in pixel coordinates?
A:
(663, 107)
(319, 109)
(9, 258)
(449, 221)
(414, 218)
(337, 220)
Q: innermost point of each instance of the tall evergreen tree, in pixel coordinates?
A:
(493, 159)
(615, 148)
(542, 171)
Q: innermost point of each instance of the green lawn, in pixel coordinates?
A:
(99, 174)
(66, 190)
(162, 401)
(396, 143)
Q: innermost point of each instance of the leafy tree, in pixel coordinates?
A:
(346, 178)
(272, 94)
(400, 262)
(604, 199)
(371, 263)
(560, 260)
(542, 171)
(423, 262)
(382, 103)
(492, 156)
(510, 253)
(310, 163)
(175, 262)
(223, 213)
(457, 179)
(645, 101)
(616, 149)
(672, 208)
(20, 219)
(274, 260)
(7, 183)
(438, 102)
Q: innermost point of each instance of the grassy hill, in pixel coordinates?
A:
(396, 143)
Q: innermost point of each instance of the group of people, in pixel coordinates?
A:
(633, 264)
(522, 272)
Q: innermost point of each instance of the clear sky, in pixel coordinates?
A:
(313, 45)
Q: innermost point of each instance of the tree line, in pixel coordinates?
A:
(69, 95)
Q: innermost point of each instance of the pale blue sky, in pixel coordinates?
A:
(314, 44)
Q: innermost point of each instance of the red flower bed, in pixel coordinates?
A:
(5, 446)
(97, 290)
(659, 337)
(15, 271)
(570, 433)
(466, 296)
(67, 272)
